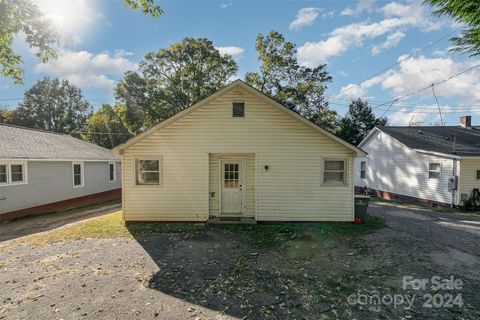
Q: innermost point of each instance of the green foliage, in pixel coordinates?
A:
(53, 105)
(105, 128)
(147, 6)
(5, 115)
(23, 16)
(171, 80)
(358, 122)
(466, 12)
(281, 77)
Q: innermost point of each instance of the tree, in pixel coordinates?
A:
(53, 105)
(24, 16)
(171, 80)
(4, 115)
(358, 122)
(466, 12)
(105, 128)
(297, 87)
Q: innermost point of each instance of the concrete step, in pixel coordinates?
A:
(232, 220)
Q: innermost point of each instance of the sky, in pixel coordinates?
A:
(399, 46)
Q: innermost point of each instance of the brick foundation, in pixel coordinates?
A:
(401, 198)
(87, 200)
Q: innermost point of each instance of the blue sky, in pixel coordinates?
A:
(356, 39)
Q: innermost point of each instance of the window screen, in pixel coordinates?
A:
(148, 172)
(334, 171)
(112, 171)
(363, 169)
(434, 170)
(17, 172)
(3, 173)
(77, 174)
(238, 110)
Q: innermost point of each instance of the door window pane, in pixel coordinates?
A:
(231, 175)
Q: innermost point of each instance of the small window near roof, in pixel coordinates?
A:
(478, 175)
(334, 171)
(238, 109)
(363, 168)
(434, 170)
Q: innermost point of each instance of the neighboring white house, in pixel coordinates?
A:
(238, 153)
(41, 171)
(417, 163)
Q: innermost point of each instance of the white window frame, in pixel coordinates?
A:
(160, 168)
(8, 165)
(82, 174)
(363, 171)
(345, 177)
(439, 171)
(7, 172)
(114, 171)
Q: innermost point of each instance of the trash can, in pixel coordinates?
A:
(361, 206)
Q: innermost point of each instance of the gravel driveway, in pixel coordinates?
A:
(219, 275)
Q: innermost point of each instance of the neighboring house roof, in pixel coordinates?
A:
(252, 90)
(437, 139)
(25, 143)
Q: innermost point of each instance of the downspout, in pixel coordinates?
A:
(454, 171)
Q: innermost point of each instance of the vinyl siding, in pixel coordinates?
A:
(291, 189)
(52, 181)
(393, 167)
(468, 178)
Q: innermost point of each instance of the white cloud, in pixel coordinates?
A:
(305, 17)
(226, 5)
(352, 91)
(362, 5)
(86, 69)
(73, 18)
(392, 40)
(235, 52)
(420, 115)
(415, 73)
(341, 39)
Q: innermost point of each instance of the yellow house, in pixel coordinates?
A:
(238, 154)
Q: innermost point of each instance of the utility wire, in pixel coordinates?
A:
(393, 65)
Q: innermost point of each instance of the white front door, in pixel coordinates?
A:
(232, 194)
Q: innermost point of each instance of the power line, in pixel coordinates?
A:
(393, 65)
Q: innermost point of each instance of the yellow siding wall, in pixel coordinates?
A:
(291, 189)
(249, 209)
(468, 177)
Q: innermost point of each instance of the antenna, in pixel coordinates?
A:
(439, 109)
(411, 120)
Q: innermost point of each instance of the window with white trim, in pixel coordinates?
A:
(112, 172)
(147, 171)
(363, 169)
(434, 170)
(13, 173)
(478, 174)
(334, 171)
(77, 173)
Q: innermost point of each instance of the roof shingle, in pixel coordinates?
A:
(438, 139)
(24, 143)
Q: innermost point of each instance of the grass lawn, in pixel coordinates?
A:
(261, 235)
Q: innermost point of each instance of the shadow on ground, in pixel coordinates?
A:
(295, 275)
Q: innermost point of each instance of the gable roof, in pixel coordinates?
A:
(250, 89)
(25, 143)
(437, 139)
